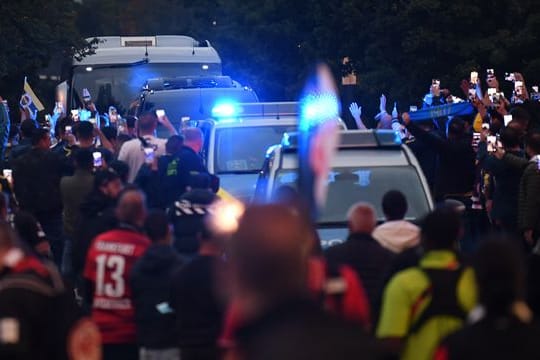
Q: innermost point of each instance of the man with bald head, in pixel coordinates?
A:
(110, 259)
(268, 269)
(190, 164)
(363, 253)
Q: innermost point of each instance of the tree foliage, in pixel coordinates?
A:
(32, 33)
(398, 45)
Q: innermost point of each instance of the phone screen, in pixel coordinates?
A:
(491, 143)
(160, 113)
(148, 155)
(413, 108)
(507, 119)
(68, 130)
(8, 174)
(98, 161)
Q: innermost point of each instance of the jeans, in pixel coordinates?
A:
(53, 227)
(159, 354)
(67, 261)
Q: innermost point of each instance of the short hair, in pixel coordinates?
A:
(148, 121)
(131, 121)
(533, 141)
(441, 228)
(394, 205)
(84, 159)
(27, 128)
(28, 229)
(362, 218)
(510, 137)
(60, 127)
(520, 115)
(500, 274)
(110, 132)
(456, 126)
(103, 177)
(131, 206)
(85, 130)
(38, 135)
(157, 225)
(120, 168)
(174, 144)
(192, 134)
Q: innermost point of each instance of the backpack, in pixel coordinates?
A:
(444, 297)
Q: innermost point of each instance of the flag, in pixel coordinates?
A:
(28, 90)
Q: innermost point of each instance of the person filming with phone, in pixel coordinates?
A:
(143, 149)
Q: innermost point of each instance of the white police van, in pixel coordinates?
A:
(367, 164)
(237, 137)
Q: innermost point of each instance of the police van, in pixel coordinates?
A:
(237, 137)
(367, 164)
(191, 97)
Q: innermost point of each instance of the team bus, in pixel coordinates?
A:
(121, 65)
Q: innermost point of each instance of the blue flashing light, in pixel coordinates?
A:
(224, 110)
(318, 108)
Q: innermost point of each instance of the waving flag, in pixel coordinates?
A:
(35, 105)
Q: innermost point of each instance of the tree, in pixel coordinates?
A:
(32, 32)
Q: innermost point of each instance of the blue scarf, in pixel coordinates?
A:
(462, 108)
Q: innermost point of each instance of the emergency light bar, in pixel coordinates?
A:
(354, 139)
(229, 110)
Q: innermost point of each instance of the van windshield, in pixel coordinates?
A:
(349, 185)
(243, 149)
(121, 86)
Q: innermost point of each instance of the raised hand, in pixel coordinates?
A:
(382, 103)
(356, 111)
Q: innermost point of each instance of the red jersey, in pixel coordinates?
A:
(110, 259)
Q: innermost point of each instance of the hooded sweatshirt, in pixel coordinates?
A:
(151, 280)
(397, 235)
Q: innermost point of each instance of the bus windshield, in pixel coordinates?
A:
(121, 85)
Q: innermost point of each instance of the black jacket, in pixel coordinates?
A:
(507, 179)
(37, 309)
(23, 147)
(198, 308)
(97, 216)
(300, 330)
(427, 158)
(370, 261)
(36, 177)
(151, 280)
(456, 173)
(494, 339)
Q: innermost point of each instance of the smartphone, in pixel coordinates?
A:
(8, 175)
(535, 89)
(518, 87)
(474, 77)
(490, 72)
(492, 91)
(492, 143)
(475, 139)
(507, 119)
(509, 77)
(98, 161)
(160, 113)
(68, 130)
(413, 108)
(485, 126)
(86, 95)
(472, 94)
(84, 115)
(149, 155)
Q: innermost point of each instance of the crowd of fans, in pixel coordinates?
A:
(114, 245)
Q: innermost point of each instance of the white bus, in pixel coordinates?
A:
(121, 65)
